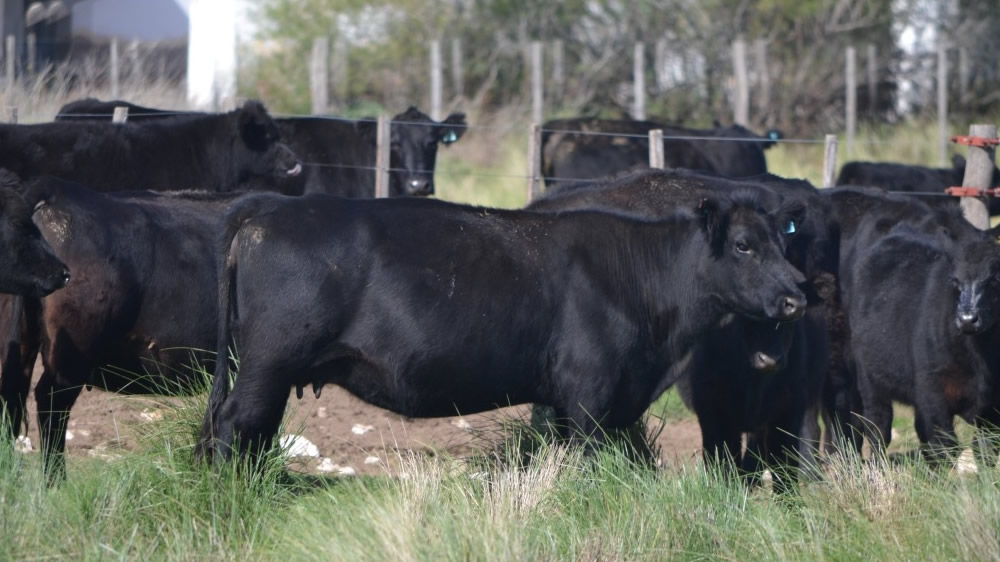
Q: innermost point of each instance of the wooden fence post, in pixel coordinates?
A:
(120, 115)
(319, 78)
(537, 87)
(656, 159)
(340, 71)
(534, 162)
(830, 161)
(851, 91)
(11, 53)
(741, 99)
(763, 75)
(383, 142)
(872, 81)
(558, 72)
(942, 102)
(978, 173)
(660, 65)
(32, 52)
(113, 67)
(963, 76)
(639, 82)
(436, 86)
(457, 69)
(13, 116)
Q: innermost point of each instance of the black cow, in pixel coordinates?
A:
(339, 153)
(214, 152)
(570, 150)
(748, 376)
(28, 265)
(916, 179)
(137, 304)
(766, 397)
(942, 285)
(852, 209)
(428, 308)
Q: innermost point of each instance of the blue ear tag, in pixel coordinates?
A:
(773, 135)
(449, 137)
(790, 229)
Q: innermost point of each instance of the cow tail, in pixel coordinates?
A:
(226, 266)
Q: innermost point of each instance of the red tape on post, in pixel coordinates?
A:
(981, 142)
(973, 192)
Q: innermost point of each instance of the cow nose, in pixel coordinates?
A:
(418, 186)
(968, 321)
(792, 308)
(763, 362)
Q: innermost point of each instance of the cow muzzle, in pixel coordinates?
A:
(968, 321)
(419, 187)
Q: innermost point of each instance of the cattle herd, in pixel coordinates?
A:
(767, 302)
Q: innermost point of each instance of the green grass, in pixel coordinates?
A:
(155, 503)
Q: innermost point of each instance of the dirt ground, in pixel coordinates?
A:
(350, 436)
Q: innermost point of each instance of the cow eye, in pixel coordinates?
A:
(742, 248)
(790, 228)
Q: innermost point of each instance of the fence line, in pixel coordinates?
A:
(510, 128)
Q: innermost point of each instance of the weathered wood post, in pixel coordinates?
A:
(558, 73)
(741, 100)
(436, 86)
(120, 116)
(457, 69)
(534, 162)
(537, 85)
(113, 69)
(979, 173)
(639, 82)
(32, 52)
(872, 81)
(763, 76)
(11, 59)
(319, 77)
(942, 102)
(12, 118)
(830, 161)
(656, 159)
(851, 91)
(383, 142)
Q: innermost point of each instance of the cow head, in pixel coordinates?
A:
(259, 135)
(747, 272)
(30, 267)
(415, 139)
(976, 283)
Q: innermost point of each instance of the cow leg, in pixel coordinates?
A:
(877, 424)
(810, 442)
(250, 417)
(936, 431)
(721, 446)
(18, 365)
(752, 466)
(54, 398)
(987, 434)
(782, 453)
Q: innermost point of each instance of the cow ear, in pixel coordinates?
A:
(773, 136)
(254, 123)
(791, 217)
(452, 128)
(714, 221)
